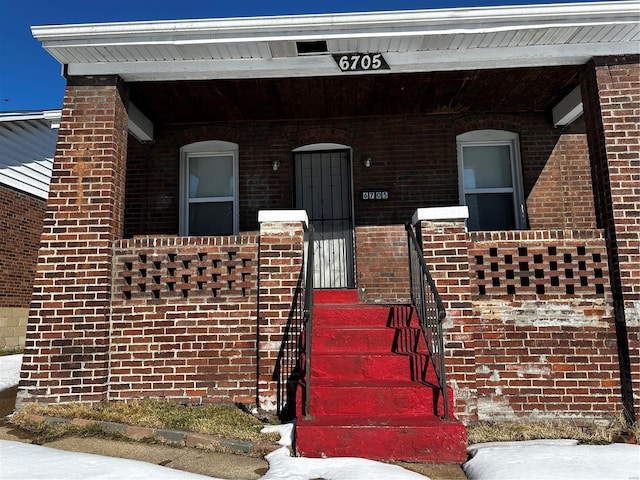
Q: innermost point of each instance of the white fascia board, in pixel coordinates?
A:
(53, 117)
(324, 65)
(49, 115)
(325, 32)
(71, 44)
(568, 109)
(139, 125)
(284, 27)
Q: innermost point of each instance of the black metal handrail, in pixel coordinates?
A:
(430, 310)
(307, 317)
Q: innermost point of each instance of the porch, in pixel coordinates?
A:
(529, 314)
(160, 274)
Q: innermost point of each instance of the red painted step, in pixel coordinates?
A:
(335, 297)
(348, 366)
(392, 438)
(351, 316)
(373, 388)
(367, 339)
(374, 398)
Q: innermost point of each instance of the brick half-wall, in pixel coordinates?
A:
(545, 343)
(529, 332)
(21, 217)
(184, 320)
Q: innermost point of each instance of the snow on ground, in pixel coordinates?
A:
(9, 371)
(23, 461)
(533, 460)
(553, 460)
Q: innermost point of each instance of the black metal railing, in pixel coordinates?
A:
(430, 310)
(307, 317)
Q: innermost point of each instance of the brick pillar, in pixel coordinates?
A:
(281, 273)
(444, 242)
(66, 354)
(611, 98)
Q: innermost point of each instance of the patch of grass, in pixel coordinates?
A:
(223, 420)
(11, 351)
(482, 432)
(45, 432)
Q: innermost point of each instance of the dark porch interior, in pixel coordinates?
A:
(495, 91)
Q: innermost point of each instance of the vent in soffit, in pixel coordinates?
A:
(307, 48)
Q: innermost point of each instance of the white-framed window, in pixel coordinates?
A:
(490, 178)
(209, 188)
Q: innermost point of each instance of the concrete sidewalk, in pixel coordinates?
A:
(203, 462)
(195, 460)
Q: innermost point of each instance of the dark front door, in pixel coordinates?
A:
(323, 189)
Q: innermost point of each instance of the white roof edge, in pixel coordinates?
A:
(49, 115)
(474, 19)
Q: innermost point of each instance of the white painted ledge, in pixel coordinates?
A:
(283, 216)
(441, 214)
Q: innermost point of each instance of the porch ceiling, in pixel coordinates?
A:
(505, 90)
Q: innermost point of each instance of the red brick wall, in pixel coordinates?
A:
(414, 160)
(562, 196)
(517, 350)
(611, 97)
(21, 217)
(184, 320)
(545, 344)
(281, 277)
(66, 352)
(445, 253)
(383, 265)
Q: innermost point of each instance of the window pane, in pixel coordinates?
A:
(210, 176)
(487, 166)
(211, 218)
(491, 211)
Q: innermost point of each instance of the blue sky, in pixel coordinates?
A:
(30, 79)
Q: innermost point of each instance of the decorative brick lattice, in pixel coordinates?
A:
(525, 268)
(203, 272)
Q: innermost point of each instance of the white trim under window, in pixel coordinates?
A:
(209, 189)
(490, 179)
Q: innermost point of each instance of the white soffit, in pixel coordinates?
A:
(411, 41)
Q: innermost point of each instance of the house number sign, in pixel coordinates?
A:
(377, 195)
(360, 62)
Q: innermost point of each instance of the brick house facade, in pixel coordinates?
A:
(542, 315)
(28, 145)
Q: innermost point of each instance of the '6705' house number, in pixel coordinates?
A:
(358, 62)
(375, 195)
